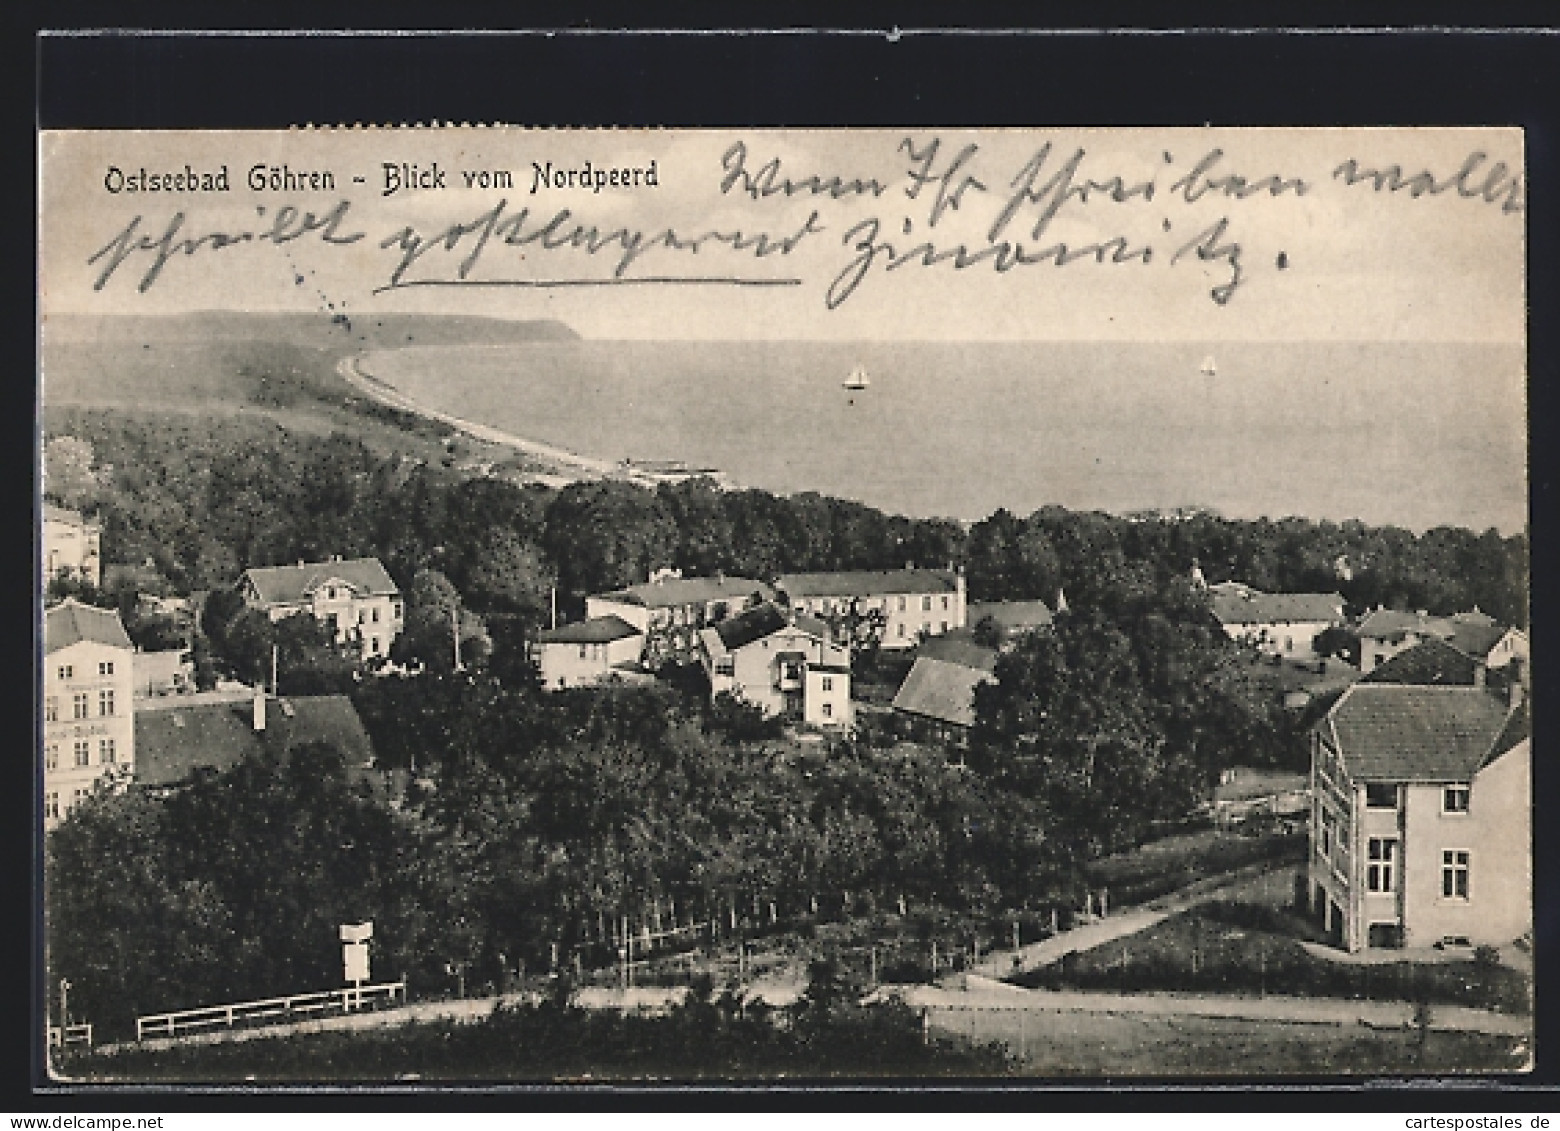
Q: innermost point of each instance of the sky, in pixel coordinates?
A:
(1328, 261)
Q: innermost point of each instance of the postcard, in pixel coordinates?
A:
(728, 605)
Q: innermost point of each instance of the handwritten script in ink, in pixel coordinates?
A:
(944, 209)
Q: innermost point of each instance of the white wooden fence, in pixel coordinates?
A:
(70, 1035)
(286, 1008)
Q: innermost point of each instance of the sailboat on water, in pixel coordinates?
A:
(1209, 369)
(858, 378)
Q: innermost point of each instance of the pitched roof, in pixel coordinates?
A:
(1402, 733)
(52, 513)
(175, 740)
(1394, 624)
(1012, 616)
(597, 630)
(1475, 637)
(1431, 662)
(936, 689)
(1240, 604)
(71, 622)
(765, 620)
(290, 585)
(674, 591)
(958, 648)
(867, 583)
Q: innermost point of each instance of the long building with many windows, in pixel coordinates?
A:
(887, 608)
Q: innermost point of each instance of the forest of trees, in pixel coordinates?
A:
(539, 819)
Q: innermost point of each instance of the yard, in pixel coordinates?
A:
(1250, 944)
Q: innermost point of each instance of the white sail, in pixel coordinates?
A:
(1208, 367)
(858, 378)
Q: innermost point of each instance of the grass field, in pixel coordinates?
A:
(1102, 1044)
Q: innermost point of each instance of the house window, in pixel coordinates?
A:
(330, 593)
(67, 671)
(1454, 799)
(1289, 643)
(51, 806)
(945, 626)
(1381, 854)
(1454, 874)
(926, 604)
(106, 667)
(584, 651)
(105, 702)
(106, 752)
(395, 609)
(375, 614)
(77, 796)
(901, 628)
(901, 604)
(362, 616)
(828, 685)
(51, 756)
(83, 752)
(725, 665)
(51, 709)
(1327, 836)
(828, 710)
(1378, 796)
(373, 645)
(945, 603)
(78, 705)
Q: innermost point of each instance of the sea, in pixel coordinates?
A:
(1408, 434)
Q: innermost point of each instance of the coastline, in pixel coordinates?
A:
(570, 466)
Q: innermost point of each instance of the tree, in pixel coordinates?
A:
(508, 577)
(68, 475)
(603, 535)
(433, 608)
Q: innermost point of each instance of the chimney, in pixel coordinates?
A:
(259, 709)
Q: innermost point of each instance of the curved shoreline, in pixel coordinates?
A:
(571, 467)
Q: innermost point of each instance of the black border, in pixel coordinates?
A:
(586, 76)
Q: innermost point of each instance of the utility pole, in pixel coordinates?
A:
(455, 632)
(555, 606)
(274, 690)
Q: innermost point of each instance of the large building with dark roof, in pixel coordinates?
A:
(669, 611)
(1280, 624)
(901, 606)
(88, 694)
(783, 662)
(1422, 816)
(356, 597)
(179, 736)
(588, 652)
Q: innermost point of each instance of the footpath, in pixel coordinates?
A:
(1005, 963)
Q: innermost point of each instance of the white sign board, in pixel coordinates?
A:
(354, 957)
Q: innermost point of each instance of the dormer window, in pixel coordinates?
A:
(1455, 798)
(1379, 796)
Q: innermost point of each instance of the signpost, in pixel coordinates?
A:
(354, 957)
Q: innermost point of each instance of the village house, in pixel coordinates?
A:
(1385, 633)
(890, 608)
(88, 691)
(785, 664)
(669, 611)
(72, 546)
(1420, 832)
(1011, 618)
(937, 697)
(1279, 624)
(587, 652)
(356, 598)
(180, 736)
